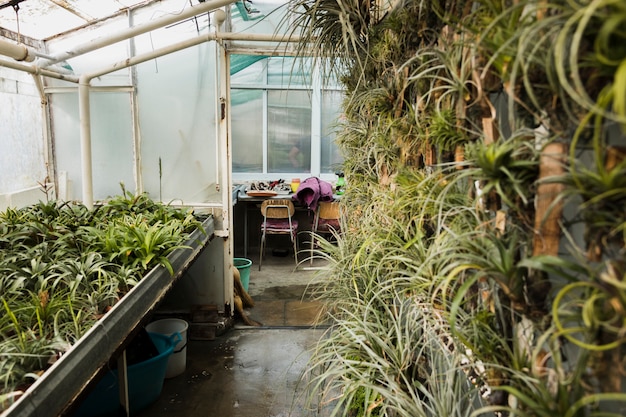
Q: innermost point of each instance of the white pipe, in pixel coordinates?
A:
(46, 134)
(98, 43)
(134, 106)
(223, 146)
(38, 71)
(17, 52)
(156, 53)
(218, 17)
(85, 141)
(256, 37)
(227, 185)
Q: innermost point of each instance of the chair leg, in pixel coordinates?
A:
(312, 246)
(261, 250)
(295, 248)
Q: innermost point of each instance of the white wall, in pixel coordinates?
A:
(153, 125)
(22, 144)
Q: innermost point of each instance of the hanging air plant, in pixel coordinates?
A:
(506, 168)
(511, 82)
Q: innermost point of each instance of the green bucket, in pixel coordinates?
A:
(243, 265)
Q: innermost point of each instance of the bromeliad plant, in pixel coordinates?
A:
(62, 267)
(505, 81)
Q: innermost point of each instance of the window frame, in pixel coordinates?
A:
(315, 89)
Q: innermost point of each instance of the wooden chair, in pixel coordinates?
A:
(326, 222)
(277, 220)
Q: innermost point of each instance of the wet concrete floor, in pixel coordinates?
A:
(252, 371)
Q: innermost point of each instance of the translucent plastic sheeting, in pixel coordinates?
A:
(177, 113)
(112, 144)
(174, 154)
(22, 162)
(41, 19)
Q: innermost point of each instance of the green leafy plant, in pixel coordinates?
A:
(503, 79)
(508, 167)
(62, 267)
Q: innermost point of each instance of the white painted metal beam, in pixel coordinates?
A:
(131, 32)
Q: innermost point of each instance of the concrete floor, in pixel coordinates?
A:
(252, 371)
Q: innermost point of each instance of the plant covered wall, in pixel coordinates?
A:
(482, 267)
(63, 266)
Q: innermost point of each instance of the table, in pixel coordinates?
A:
(246, 199)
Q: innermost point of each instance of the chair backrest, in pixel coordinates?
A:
(274, 208)
(328, 210)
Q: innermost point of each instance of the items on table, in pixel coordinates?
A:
(277, 185)
(295, 183)
(341, 183)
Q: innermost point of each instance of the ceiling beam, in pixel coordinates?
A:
(67, 6)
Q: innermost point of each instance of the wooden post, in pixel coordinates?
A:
(459, 156)
(429, 156)
(547, 215)
(614, 156)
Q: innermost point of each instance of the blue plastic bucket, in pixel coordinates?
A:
(145, 382)
(243, 265)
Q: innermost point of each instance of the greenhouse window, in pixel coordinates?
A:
(283, 120)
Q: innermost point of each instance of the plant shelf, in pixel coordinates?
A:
(62, 384)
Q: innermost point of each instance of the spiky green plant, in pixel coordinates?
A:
(461, 236)
(63, 266)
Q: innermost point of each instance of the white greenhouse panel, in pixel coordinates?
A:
(22, 145)
(177, 115)
(112, 143)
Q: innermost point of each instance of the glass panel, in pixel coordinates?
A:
(289, 131)
(247, 70)
(289, 72)
(331, 158)
(177, 111)
(111, 143)
(247, 130)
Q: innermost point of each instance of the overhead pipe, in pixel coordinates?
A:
(131, 32)
(156, 53)
(257, 37)
(23, 53)
(17, 52)
(38, 71)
